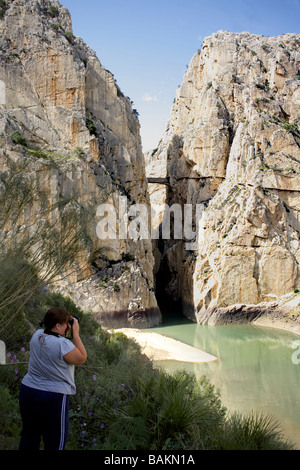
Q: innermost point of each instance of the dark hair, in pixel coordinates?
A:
(55, 315)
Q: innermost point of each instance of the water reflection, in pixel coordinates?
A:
(254, 371)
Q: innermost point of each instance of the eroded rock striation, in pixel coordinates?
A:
(63, 114)
(233, 145)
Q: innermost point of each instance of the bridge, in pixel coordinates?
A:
(165, 181)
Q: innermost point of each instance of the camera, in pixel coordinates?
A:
(71, 321)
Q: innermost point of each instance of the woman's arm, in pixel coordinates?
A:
(78, 355)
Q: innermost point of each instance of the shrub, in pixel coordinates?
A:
(35, 246)
(18, 139)
(79, 152)
(10, 419)
(90, 124)
(56, 27)
(252, 432)
(51, 11)
(70, 37)
(3, 8)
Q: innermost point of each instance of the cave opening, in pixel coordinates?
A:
(169, 303)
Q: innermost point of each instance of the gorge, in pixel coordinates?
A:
(232, 145)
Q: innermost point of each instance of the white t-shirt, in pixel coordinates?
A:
(47, 369)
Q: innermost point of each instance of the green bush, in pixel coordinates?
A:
(3, 8)
(70, 37)
(90, 124)
(10, 420)
(252, 432)
(18, 139)
(51, 11)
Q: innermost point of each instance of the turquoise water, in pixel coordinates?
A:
(254, 370)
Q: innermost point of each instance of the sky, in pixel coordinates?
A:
(148, 44)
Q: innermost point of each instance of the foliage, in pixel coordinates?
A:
(3, 8)
(10, 420)
(39, 241)
(288, 126)
(69, 36)
(51, 11)
(256, 431)
(90, 124)
(163, 411)
(18, 281)
(122, 402)
(56, 27)
(18, 139)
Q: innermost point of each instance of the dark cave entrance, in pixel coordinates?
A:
(169, 304)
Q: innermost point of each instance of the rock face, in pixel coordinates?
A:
(233, 144)
(60, 102)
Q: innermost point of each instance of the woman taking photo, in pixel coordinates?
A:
(45, 389)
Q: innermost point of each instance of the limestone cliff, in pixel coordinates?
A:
(233, 144)
(58, 103)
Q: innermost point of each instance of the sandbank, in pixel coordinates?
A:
(162, 348)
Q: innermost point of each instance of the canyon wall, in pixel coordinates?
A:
(233, 145)
(64, 118)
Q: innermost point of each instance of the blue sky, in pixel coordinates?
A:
(147, 44)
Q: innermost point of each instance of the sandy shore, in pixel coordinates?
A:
(161, 348)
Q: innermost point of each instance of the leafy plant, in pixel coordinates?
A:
(51, 11)
(36, 246)
(79, 152)
(252, 432)
(70, 37)
(18, 139)
(10, 420)
(3, 8)
(90, 124)
(56, 27)
(116, 287)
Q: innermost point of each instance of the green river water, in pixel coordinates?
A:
(254, 371)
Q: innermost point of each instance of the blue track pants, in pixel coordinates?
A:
(44, 415)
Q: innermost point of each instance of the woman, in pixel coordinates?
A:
(45, 389)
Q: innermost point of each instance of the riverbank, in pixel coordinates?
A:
(280, 323)
(158, 347)
(280, 313)
(283, 314)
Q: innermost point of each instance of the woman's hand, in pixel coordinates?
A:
(74, 328)
(78, 356)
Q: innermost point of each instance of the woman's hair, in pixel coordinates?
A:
(55, 315)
